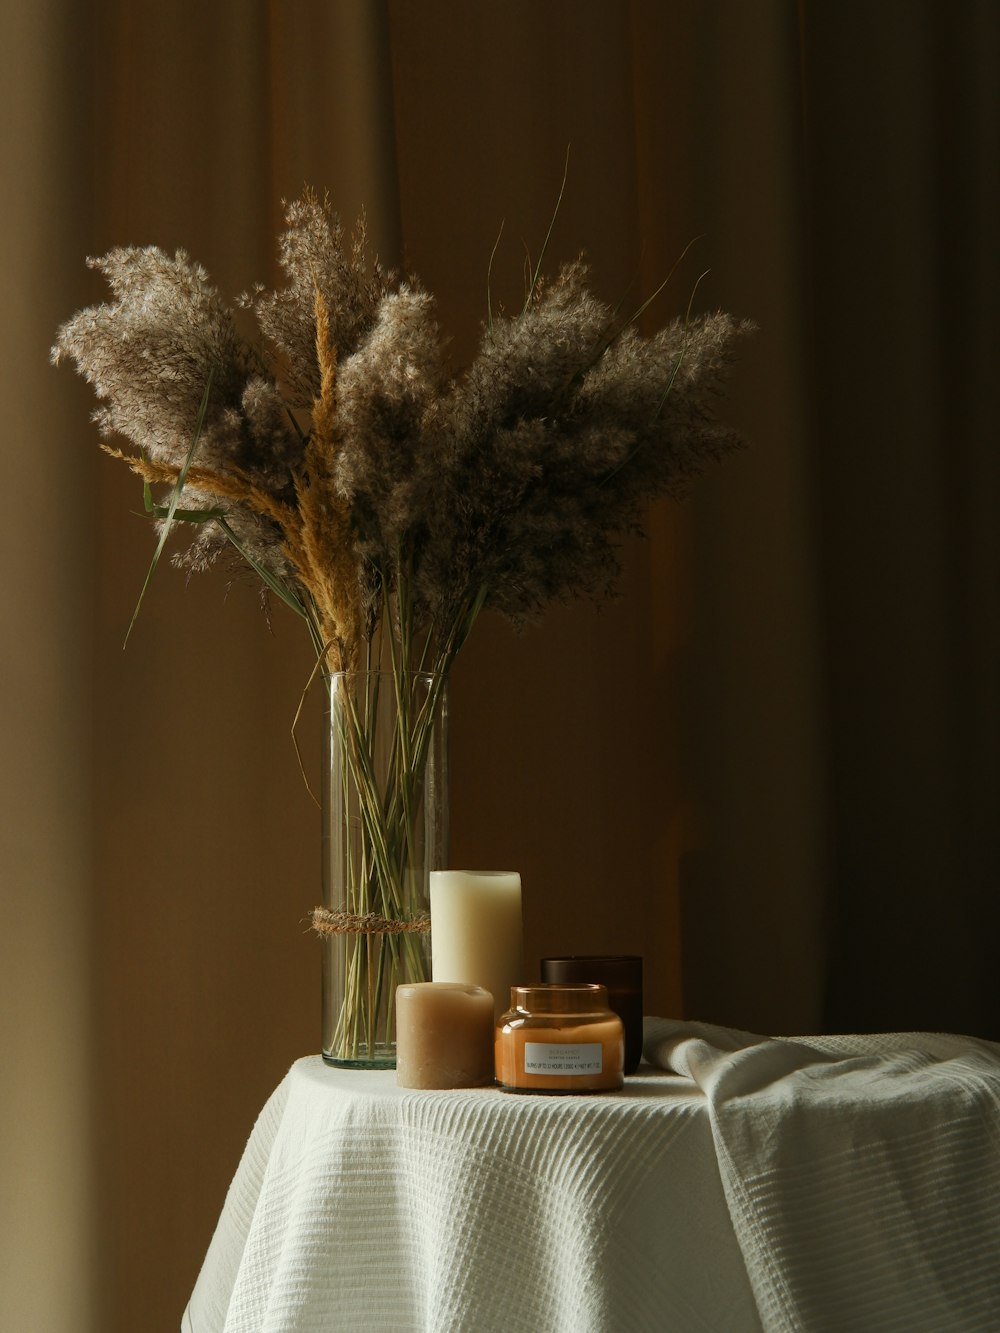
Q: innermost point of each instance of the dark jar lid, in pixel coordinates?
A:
(616, 971)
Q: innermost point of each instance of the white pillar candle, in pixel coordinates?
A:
(444, 1035)
(476, 930)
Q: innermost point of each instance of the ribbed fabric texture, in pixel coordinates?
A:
(822, 1184)
(362, 1206)
(862, 1173)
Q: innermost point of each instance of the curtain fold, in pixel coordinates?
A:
(46, 1200)
(718, 116)
(902, 133)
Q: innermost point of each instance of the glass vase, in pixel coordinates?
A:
(385, 827)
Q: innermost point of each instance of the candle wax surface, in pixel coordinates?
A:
(476, 930)
(444, 1035)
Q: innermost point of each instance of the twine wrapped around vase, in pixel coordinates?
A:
(327, 922)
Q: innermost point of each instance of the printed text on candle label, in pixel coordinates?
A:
(563, 1058)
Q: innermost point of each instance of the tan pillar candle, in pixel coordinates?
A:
(476, 930)
(444, 1035)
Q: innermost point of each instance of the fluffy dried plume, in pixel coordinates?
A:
(411, 498)
(316, 258)
(149, 352)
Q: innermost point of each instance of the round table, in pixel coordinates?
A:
(737, 1183)
(361, 1205)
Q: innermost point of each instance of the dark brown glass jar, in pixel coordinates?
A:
(622, 975)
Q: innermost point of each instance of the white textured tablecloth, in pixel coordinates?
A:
(359, 1206)
(862, 1173)
(847, 1184)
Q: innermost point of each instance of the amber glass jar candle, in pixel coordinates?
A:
(559, 1038)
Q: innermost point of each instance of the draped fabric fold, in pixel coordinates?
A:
(861, 1172)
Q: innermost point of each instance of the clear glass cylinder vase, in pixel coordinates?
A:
(385, 828)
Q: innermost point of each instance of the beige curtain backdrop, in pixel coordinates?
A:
(771, 766)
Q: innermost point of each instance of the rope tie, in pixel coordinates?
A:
(327, 922)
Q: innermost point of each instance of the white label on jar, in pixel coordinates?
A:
(570, 1057)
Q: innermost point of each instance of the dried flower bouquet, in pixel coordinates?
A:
(385, 499)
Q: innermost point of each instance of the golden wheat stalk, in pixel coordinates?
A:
(233, 484)
(325, 551)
